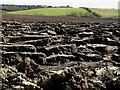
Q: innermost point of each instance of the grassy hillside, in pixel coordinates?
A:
(106, 13)
(55, 12)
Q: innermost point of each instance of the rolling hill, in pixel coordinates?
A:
(84, 12)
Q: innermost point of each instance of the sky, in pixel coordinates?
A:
(73, 3)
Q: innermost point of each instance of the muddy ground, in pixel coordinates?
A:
(59, 53)
(31, 18)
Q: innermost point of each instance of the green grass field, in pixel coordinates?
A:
(107, 13)
(2, 11)
(104, 13)
(54, 12)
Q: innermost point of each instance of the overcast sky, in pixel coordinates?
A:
(73, 3)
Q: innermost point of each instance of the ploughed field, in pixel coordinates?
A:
(60, 55)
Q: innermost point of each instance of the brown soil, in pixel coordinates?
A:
(59, 53)
(31, 18)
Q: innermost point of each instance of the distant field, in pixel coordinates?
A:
(107, 13)
(3, 11)
(54, 12)
(104, 13)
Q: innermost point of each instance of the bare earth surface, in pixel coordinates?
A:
(31, 18)
(59, 53)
